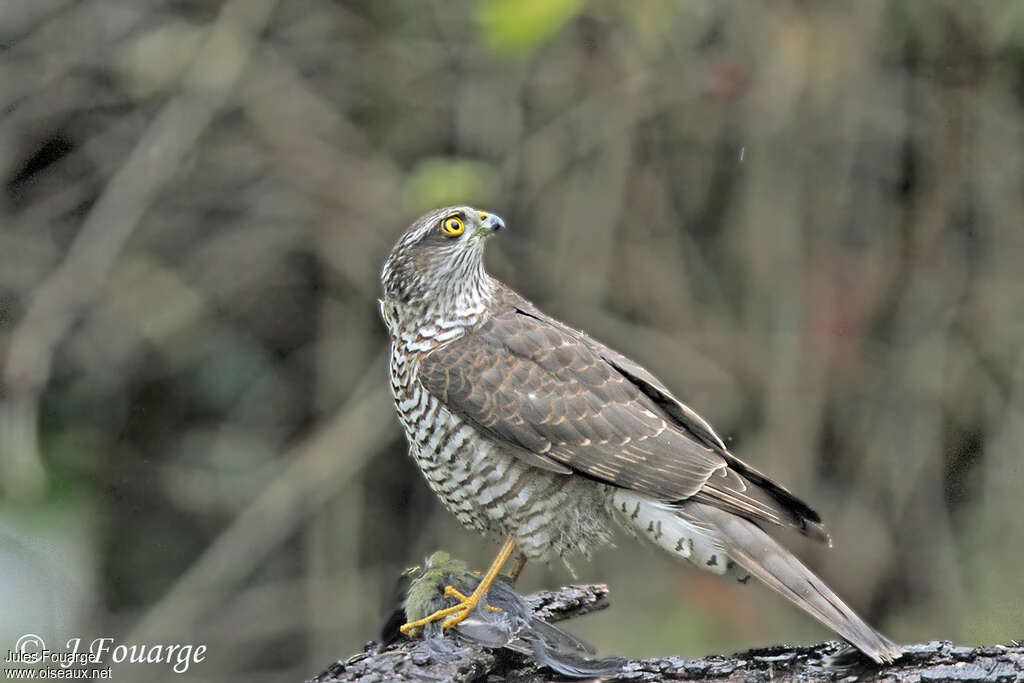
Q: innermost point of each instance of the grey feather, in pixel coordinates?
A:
(512, 626)
(761, 555)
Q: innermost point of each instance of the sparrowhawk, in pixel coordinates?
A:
(533, 432)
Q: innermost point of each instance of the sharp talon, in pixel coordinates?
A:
(461, 610)
(467, 603)
(465, 606)
(452, 592)
(439, 614)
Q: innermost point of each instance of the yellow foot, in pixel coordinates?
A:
(460, 611)
(452, 592)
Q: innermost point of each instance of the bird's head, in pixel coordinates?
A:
(440, 258)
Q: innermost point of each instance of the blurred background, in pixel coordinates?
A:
(804, 217)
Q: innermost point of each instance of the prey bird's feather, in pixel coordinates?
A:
(512, 624)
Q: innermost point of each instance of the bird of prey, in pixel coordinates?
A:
(503, 618)
(533, 432)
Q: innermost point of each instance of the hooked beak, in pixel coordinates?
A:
(490, 223)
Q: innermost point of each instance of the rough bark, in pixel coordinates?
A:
(932, 662)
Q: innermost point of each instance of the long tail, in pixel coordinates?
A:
(715, 540)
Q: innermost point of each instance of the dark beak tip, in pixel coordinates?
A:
(493, 223)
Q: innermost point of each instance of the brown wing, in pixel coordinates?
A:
(545, 389)
(754, 495)
(526, 383)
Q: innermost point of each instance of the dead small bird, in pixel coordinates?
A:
(502, 619)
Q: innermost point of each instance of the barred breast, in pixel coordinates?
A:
(552, 516)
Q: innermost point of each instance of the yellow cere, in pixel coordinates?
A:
(453, 226)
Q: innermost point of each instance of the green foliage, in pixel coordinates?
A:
(520, 26)
(443, 181)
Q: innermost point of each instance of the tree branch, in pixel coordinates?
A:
(417, 660)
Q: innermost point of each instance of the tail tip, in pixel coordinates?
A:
(816, 531)
(883, 653)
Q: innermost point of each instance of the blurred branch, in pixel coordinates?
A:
(604, 116)
(326, 158)
(61, 299)
(319, 468)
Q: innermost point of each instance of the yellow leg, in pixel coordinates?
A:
(453, 592)
(467, 603)
(517, 567)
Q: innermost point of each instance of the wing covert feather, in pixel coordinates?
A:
(563, 401)
(531, 385)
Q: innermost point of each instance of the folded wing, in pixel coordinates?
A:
(566, 402)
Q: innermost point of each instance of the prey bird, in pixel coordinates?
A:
(502, 619)
(534, 433)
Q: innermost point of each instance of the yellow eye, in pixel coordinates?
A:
(453, 226)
